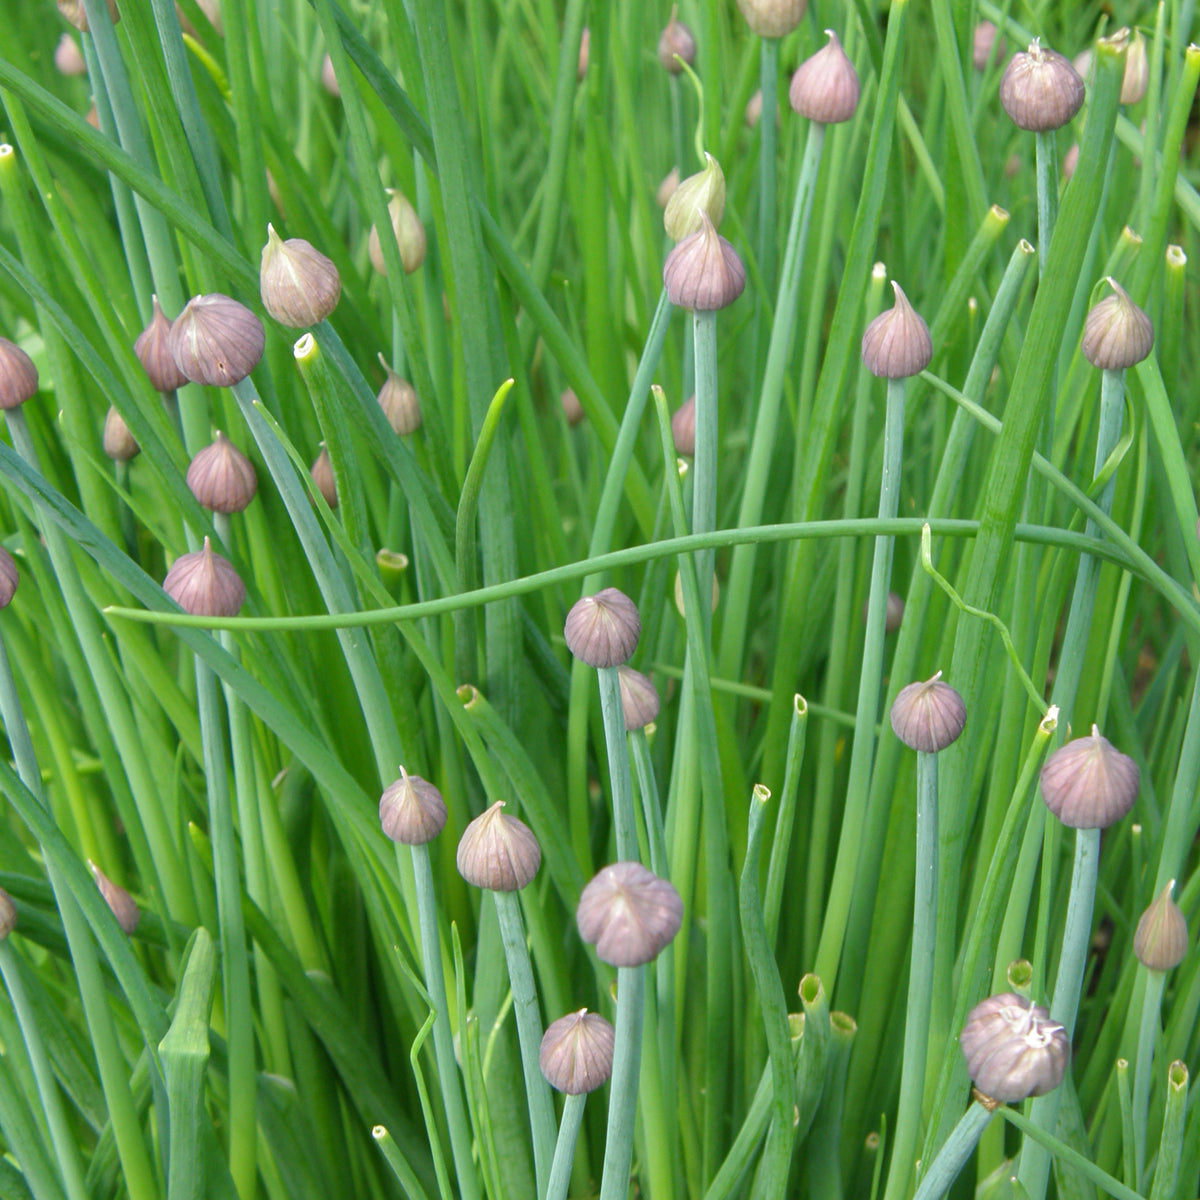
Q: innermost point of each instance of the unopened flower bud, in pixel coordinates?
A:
(398, 399)
(18, 375)
(683, 427)
(986, 47)
(703, 272)
(1137, 70)
(825, 86)
(928, 716)
(754, 107)
(408, 232)
(703, 192)
(1161, 939)
(674, 42)
(639, 698)
(68, 58)
(221, 477)
(572, 410)
(122, 904)
(897, 344)
(8, 578)
(322, 475)
(666, 189)
(299, 286)
(1013, 1048)
(216, 340)
(772, 18)
(1116, 333)
(204, 584)
(498, 852)
(1088, 783)
(411, 810)
(603, 630)
(576, 1054)
(1040, 90)
(581, 64)
(119, 444)
(329, 79)
(628, 913)
(153, 351)
(8, 914)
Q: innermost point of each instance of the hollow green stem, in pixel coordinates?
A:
(704, 477)
(62, 1138)
(763, 444)
(952, 1157)
(1046, 149)
(1128, 1137)
(781, 844)
(829, 949)
(773, 1171)
(618, 764)
(529, 1031)
(1077, 935)
(464, 530)
(449, 1080)
(114, 1074)
(564, 1148)
(985, 921)
(1143, 1064)
(920, 981)
(1065, 1154)
(235, 968)
(622, 1105)
(737, 1160)
(1170, 1144)
(822, 1160)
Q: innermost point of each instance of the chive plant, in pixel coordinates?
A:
(452, 208)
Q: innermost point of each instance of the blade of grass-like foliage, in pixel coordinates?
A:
(830, 386)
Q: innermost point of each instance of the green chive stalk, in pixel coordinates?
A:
(698, 741)
(1077, 936)
(1149, 1029)
(952, 1157)
(1170, 1145)
(763, 443)
(1171, 334)
(564, 1147)
(1128, 1136)
(781, 844)
(737, 1161)
(768, 137)
(114, 1072)
(235, 968)
(822, 1161)
(1002, 879)
(704, 472)
(771, 1178)
(664, 965)
(600, 542)
(841, 666)
(62, 1138)
(622, 1105)
(449, 1081)
(837, 910)
(618, 764)
(529, 1031)
(1046, 152)
(920, 982)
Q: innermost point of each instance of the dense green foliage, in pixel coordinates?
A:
(268, 1028)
